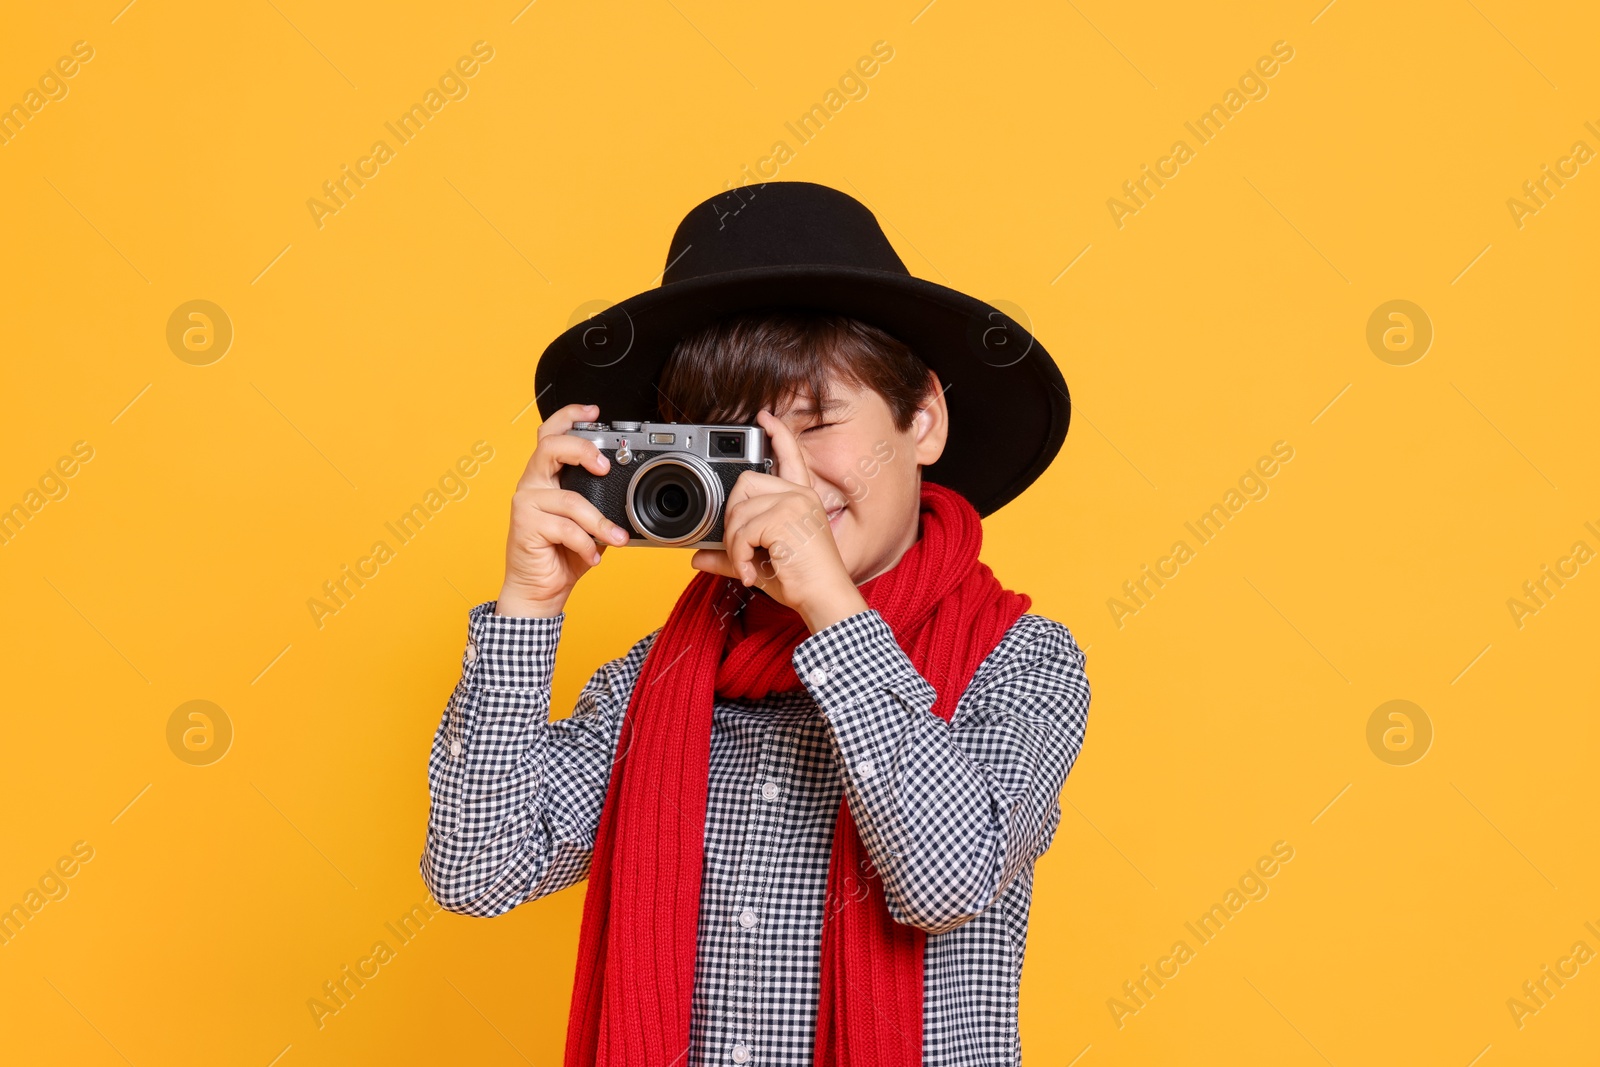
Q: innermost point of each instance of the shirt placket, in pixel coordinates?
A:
(768, 800)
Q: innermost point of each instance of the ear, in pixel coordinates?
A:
(930, 426)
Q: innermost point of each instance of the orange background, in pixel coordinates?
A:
(1228, 313)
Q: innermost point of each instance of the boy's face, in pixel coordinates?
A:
(867, 472)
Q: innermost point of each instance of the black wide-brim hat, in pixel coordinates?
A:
(798, 245)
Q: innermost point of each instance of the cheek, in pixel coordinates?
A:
(840, 455)
(831, 464)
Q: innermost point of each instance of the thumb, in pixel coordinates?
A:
(713, 561)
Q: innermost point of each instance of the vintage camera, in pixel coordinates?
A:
(668, 481)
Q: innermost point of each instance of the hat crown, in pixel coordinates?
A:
(778, 224)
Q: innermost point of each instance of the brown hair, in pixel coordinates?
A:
(732, 368)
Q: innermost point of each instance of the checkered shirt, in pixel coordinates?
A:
(953, 816)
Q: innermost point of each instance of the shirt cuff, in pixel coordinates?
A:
(509, 651)
(864, 683)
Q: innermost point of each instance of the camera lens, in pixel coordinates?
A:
(674, 499)
(727, 444)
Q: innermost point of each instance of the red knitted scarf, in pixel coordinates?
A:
(632, 994)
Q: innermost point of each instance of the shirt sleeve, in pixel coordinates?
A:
(949, 812)
(515, 798)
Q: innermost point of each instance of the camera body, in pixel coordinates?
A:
(668, 483)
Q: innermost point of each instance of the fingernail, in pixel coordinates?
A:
(594, 561)
(618, 535)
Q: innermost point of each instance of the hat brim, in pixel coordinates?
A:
(1008, 402)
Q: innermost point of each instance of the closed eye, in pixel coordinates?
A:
(818, 426)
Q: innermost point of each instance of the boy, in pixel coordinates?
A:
(808, 806)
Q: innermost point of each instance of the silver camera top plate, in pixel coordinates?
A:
(714, 443)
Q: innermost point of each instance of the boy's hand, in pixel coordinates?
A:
(554, 531)
(776, 537)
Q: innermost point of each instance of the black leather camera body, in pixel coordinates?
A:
(669, 481)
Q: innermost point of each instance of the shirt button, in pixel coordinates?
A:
(455, 748)
(866, 768)
(817, 676)
(747, 919)
(741, 1053)
(769, 791)
(472, 652)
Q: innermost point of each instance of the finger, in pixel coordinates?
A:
(742, 512)
(791, 464)
(802, 516)
(564, 449)
(755, 532)
(555, 428)
(561, 419)
(738, 551)
(742, 488)
(754, 483)
(765, 572)
(713, 561)
(581, 510)
(560, 530)
(786, 450)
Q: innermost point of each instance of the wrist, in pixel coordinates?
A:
(833, 606)
(515, 606)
